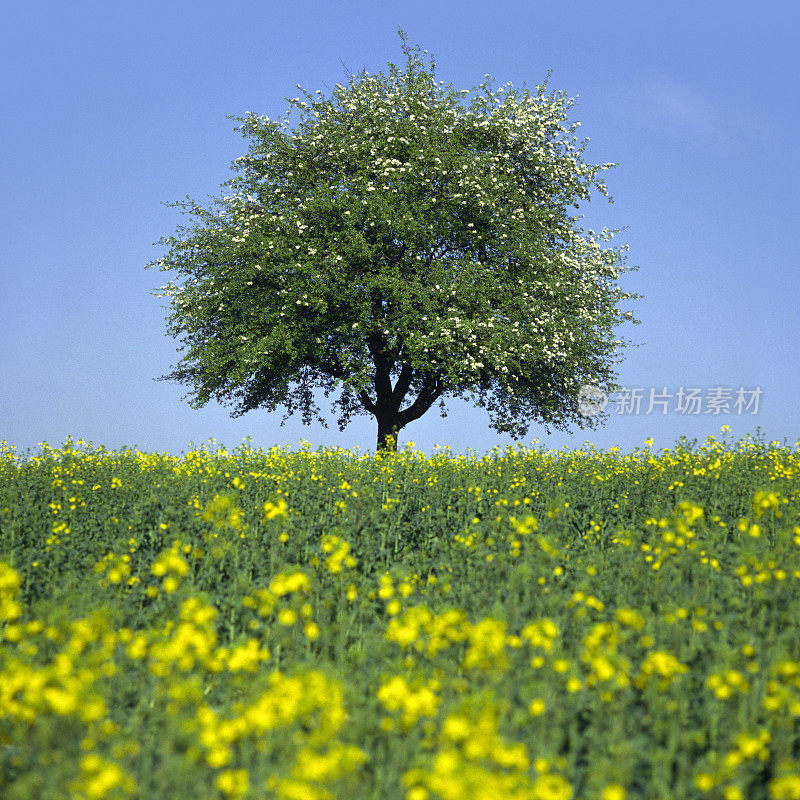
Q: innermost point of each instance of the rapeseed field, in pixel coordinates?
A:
(311, 625)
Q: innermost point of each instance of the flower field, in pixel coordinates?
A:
(525, 625)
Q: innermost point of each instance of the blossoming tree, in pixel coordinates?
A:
(403, 250)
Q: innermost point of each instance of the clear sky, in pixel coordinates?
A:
(110, 109)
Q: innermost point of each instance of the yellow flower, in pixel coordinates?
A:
(487, 645)
(91, 763)
(311, 630)
(723, 692)
(92, 709)
(221, 512)
(392, 693)
(272, 510)
(332, 765)
(13, 633)
(396, 695)
(603, 668)
(61, 701)
(614, 791)
(287, 617)
(541, 633)
(762, 501)
(298, 790)
(456, 728)
(537, 707)
(219, 756)
(233, 782)
(663, 664)
(785, 788)
(703, 781)
(630, 618)
(690, 511)
(101, 777)
(247, 657)
(137, 649)
(289, 583)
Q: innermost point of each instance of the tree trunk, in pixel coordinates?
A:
(386, 406)
(387, 435)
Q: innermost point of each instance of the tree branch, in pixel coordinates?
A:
(383, 384)
(402, 385)
(367, 402)
(427, 397)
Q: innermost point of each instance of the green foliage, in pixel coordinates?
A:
(404, 250)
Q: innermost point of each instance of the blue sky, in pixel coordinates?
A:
(111, 109)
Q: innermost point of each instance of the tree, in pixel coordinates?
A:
(403, 250)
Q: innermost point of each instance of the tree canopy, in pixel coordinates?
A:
(403, 250)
